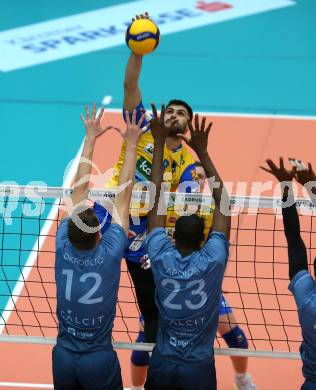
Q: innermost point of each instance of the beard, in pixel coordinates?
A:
(174, 130)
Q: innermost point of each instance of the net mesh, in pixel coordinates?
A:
(255, 283)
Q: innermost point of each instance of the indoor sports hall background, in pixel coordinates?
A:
(249, 64)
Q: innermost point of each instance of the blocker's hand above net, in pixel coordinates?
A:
(157, 125)
(304, 176)
(92, 123)
(199, 135)
(281, 173)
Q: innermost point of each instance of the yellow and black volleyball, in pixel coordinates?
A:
(142, 36)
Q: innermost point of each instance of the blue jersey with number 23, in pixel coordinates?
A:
(188, 291)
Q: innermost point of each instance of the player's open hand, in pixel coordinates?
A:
(92, 123)
(199, 135)
(281, 173)
(133, 129)
(142, 16)
(157, 125)
(303, 174)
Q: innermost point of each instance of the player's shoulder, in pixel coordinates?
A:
(157, 243)
(158, 232)
(302, 281)
(62, 232)
(301, 275)
(218, 238)
(216, 247)
(303, 288)
(115, 233)
(63, 222)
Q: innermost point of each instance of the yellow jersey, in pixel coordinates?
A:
(179, 172)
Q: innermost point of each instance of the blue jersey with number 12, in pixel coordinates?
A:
(87, 283)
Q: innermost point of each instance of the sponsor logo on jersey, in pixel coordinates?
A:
(193, 322)
(180, 343)
(139, 177)
(72, 331)
(143, 166)
(73, 318)
(173, 341)
(81, 334)
(149, 148)
(137, 242)
(172, 219)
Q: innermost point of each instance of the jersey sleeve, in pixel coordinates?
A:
(139, 111)
(157, 242)
(188, 180)
(62, 232)
(216, 248)
(301, 286)
(115, 241)
(103, 215)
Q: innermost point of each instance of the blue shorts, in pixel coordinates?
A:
(99, 370)
(166, 374)
(224, 307)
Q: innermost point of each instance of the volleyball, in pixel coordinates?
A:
(142, 36)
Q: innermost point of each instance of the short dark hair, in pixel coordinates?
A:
(189, 231)
(177, 102)
(80, 239)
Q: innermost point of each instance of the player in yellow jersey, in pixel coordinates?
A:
(178, 167)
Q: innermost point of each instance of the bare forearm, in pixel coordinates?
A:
(127, 175)
(296, 248)
(210, 171)
(155, 220)
(132, 93)
(133, 69)
(222, 219)
(84, 170)
(297, 253)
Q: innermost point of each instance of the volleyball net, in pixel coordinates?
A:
(255, 284)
